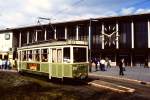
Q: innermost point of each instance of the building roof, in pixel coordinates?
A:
(79, 21)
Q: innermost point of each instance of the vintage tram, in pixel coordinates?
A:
(57, 59)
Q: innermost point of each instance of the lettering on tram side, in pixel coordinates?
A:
(33, 66)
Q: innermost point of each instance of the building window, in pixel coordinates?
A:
(125, 35)
(141, 34)
(40, 35)
(49, 34)
(60, 33)
(71, 33)
(96, 36)
(23, 38)
(83, 32)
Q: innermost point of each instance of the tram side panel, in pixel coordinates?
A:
(57, 70)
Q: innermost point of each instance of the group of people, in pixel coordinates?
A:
(5, 64)
(101, 63)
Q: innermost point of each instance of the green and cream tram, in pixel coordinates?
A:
(57, 59)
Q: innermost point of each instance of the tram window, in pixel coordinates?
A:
(24, 56)
(37, 55)
(30, 55)
(44, 55)
(79, 54)
(67, 55)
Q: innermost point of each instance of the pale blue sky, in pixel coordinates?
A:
(14, 13)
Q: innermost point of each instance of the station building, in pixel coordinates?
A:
(116, 37)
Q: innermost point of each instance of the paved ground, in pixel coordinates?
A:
(14, 86)
(136, 73)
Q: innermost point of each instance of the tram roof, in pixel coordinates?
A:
(57, 43)
(145, 15)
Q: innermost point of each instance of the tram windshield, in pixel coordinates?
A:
(67, 55)
(79, 54)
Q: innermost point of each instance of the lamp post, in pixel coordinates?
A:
(90, 35)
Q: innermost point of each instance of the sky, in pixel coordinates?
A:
(15, 13)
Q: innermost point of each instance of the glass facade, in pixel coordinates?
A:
(32, 37)
(40, 35)
(96, 37)
(125, 35)
(23, 38)
(60, 33)
(71, 32)
(49, 34)
(140, 34)
(83, 32)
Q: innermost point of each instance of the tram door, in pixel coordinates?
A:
(54, 56)
(57, 60)
(59, 55)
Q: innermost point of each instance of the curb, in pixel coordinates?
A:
(130, 90)
(126, 79)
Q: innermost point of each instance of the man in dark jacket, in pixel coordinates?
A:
(121, 67)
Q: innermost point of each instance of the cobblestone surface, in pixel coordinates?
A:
(136, 73)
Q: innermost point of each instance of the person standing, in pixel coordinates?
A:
(6, 67)
(102, 67)
(8, 64)
(109, 63)
(121, 67)
(96, 62)
(146, 63)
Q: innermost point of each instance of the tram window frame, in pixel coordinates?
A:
(44, 55)
(79, 54)
(66, 55)
(24, 55)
